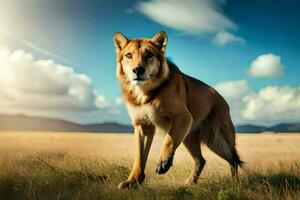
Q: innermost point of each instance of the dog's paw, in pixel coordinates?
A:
(164, 165)
(129, 185)
(191, 181)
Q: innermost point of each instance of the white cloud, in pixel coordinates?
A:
(43, 84)
(223, 38)
(45, 88)
(190, 16)
(267, 65)
(269, 105)
(100, 100)
(233, 89)
(193, 17)
(273, 104)
(233, 92)
(119, 101)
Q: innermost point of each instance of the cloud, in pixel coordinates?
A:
(234, 92)
(45, 88)
(273, 104)
(223, 38)
(267, 65)
(43, 84)
(269, 105)
(233, 89)
(192, 17)
(119, 101)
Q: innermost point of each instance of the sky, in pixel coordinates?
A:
(57, 58)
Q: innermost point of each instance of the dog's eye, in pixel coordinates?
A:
(149, 55)
(129, 55)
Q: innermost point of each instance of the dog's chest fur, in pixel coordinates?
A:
(147, 114)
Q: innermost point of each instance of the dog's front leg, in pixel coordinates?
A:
(143, 140)
(180, 126)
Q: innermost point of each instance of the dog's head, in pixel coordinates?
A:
(141, 61)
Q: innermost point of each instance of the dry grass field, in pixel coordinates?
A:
(41, 165)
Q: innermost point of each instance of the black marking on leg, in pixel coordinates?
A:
(164, 165)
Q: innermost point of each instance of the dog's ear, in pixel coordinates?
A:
(120, 40)
(160, 40)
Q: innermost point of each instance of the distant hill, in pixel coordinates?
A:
(282, 127)
(23, 122)
(285, 127)
(249, 128)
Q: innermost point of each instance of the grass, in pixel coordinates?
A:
(89, 166)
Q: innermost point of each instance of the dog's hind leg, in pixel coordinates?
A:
(225, 148)
(192, 143)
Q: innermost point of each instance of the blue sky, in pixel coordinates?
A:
(79, 35)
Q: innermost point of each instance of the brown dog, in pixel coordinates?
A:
(158, 95)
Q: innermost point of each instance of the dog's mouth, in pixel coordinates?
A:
(139, 81)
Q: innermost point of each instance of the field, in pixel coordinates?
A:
(40, 165)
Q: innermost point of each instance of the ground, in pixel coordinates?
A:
(47, 165)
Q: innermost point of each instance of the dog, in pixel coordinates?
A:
(159, 96)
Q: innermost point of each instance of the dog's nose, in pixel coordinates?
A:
(139, 71)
